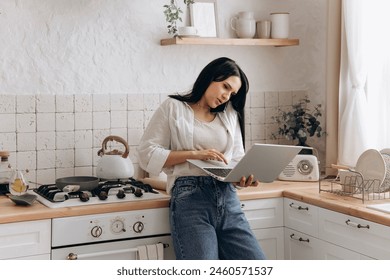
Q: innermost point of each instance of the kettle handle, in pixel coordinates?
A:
(119, 139)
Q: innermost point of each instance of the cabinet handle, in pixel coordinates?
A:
(292, 236)
(298, 207)
(353, 224)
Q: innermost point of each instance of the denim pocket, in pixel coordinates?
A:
(184, 188)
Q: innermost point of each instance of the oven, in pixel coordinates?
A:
(108, 236)
(111, 236)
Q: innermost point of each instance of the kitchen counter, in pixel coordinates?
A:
(303, 191)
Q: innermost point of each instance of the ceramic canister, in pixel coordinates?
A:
(280, 25)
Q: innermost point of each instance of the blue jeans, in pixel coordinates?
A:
(207, 221)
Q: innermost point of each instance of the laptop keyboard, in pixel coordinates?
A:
(221, 172)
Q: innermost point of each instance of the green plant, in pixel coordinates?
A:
(173, 13)
(301, 122)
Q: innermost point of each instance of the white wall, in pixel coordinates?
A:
(112, 47)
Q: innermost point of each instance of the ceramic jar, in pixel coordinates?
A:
(280, 25)
(244, 25)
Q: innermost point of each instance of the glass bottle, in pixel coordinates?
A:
(18, 184)
(5, 172)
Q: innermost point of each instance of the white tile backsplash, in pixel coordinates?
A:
(7, 103)
(25, 104)
(46, 121)
(8, 123)
(57, 136)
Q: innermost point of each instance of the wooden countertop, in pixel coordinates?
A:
(303, 191)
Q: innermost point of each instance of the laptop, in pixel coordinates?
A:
(264, 161)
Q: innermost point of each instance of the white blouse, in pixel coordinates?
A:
(172, 128)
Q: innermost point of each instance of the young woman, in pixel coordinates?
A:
(208, 124)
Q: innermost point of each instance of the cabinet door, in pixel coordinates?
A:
(328, 251)
(301, 216)
(299, 246)
(264, 213)
(368, 238)
(271, 241)
(25, 239)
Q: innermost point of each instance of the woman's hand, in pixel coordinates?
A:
(244, 182)
(178, 157)
(211, 154)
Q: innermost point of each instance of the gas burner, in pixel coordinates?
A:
(106, 192)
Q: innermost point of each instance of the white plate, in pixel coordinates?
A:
(189, 36)
(371, 165)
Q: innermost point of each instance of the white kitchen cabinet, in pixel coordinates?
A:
(301, 216)
(300, 246)
(365, 237)
(265, 217)
(313, 233)
(25, 240)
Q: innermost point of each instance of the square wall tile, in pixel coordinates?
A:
(8, 104)
(257, 99)
(83, 103)
(8, 141)
(101, 120)
(257, 116)
(118, 102)
(83, 120)
(118, 119)
(65, 140)
(64, 103)
(26, 141)
(46, 176)
(65, 122)
(46, 122)
(83, 139)
(46, 159)
(26, 160)
(26, 123)
(65, 158)
(135, 102)
(135, 119)
(45, 103)
(101, 103)
(285, 98)
(271, 99)
(7, 123)
(46, 140)
(83, 157)
(25, 104)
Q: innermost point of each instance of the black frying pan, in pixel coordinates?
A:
(86, 183)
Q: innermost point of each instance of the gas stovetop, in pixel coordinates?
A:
(107, 192)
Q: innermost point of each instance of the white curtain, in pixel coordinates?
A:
(364, 79)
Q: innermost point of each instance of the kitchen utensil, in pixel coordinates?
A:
(24, 199)
(372, 167)
(85, 183)
(114, 164)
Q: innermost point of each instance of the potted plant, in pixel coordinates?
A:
(173, 13)
(300, 123)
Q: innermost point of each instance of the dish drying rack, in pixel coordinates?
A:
(351, 183)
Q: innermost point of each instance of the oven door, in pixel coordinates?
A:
(113, 250)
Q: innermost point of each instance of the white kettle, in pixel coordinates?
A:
(114, 164)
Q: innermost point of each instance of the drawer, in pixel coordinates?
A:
(25, 239)
(367, 238)
(301, 216)
(264, 213)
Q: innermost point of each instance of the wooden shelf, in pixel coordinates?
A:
(229, 42)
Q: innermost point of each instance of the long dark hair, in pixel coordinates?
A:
(216, 71)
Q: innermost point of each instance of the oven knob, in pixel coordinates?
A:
(96, 231)
(118, 226)
(138, 227)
